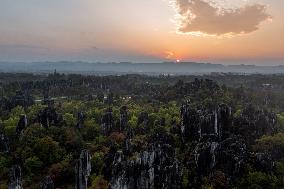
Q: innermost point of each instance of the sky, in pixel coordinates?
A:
(215, 31)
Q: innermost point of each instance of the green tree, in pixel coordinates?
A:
(70, 119)
(4, 165)
(97, 162)
(17, 111)
(280, 118)
(48, 150)
(98, 182)
(32, 165)
(10, 126)
(273, 144)
(279, 172)
(259, 180)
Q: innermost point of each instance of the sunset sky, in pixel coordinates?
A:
(219, 31)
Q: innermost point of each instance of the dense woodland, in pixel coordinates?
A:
(141, 132)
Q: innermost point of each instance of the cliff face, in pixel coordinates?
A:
(155, 167)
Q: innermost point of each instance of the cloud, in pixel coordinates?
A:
(208, 18)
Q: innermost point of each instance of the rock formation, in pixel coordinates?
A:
(47, 183)
(264, 162)
(123, 119)
(254, 123)
(153, 167)
(49, 117)
(83, 170)
(4, 144)
(23, 99)
(15, 181)
(22, 124)
(205, 123)
(80, 120)
(107, 122)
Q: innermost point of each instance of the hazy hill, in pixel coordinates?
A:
(146, 68)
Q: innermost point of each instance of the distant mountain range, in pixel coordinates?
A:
(182, 68)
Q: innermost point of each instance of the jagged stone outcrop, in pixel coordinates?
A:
(205, 123)
(5, 104)
(46, 98)
(205, 156)
(49, 117)
(107, 122)
(254, 123)
(83, 170)
(233, 154)
(162, 122)
(15, 180)
(143, 118)
(4, 143)
(225, 121)
(80, 120)
(168, 170)
(22, 124)
(153, 167)
(123, 119)
(211, 131)
(143, 123)
(129, 133)
(221, 141)
(47, 183)
(227, 156)
(190, 127)
(21, 98)
(264, 162)
(136, 173)
(127, 147)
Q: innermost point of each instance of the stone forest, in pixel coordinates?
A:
(141, 132)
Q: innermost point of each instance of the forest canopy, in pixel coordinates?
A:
(135, 131)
